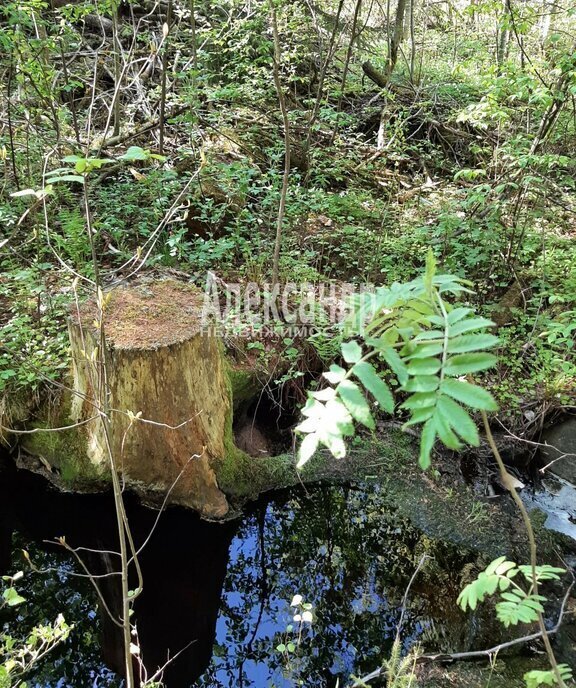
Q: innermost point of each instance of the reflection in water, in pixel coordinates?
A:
(183, 564)
(222, 591)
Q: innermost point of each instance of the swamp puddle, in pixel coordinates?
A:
(221, 593)
(557, 499)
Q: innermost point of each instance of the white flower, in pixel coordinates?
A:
(306, 617)
(297, 617)
(296, 601)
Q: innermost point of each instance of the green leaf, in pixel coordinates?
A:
(469, 394)
(537, 678)
(425, 350)
(419, 416)
(396, 364)
(457, 314)
(512, 597)
(491, 584)
(308, 425)
(356, 403)
(135, 153)
(324, 394)
(312, 409)
(368, 376)
(429, 334)
(424, 366)
(281, 647)
(491, 568)
(336, 374)
(333, 423)
(507, 568)
(422, 383)
(307, 448)
(427, 444)
(534, 604)
(447, 437)
(477, 590)
(464, 364)
(334, 442)
(12, 598)
(337, 414)
(459, 419)
(351, 351)
(543, 572)
(469, 325)
(420, 400)
(471, 342)
(66, 178)
(510, 613)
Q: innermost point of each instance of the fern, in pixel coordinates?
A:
(400, 670)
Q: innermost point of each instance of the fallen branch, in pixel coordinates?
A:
(151, 124)
(477, 654)
(374, 74)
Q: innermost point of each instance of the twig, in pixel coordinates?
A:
(474, 654)
(423, 559)
(151, 124)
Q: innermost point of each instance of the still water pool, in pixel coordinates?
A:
(217, 596)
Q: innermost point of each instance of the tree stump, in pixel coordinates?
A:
(161, 366)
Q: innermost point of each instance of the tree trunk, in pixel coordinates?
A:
(394, 45)
(503, 35)
(546, 24)
(162, 366)
(397, 37)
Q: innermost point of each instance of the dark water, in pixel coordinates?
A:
(220, 593)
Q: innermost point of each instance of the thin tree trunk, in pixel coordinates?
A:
(166, 30)
(329, 55)
(117, 72)
(347, 62)
(412, 42)
(194, 46)
(10, 126)
(503, 35)
(285, 178)
(397, 37)
(546, 23)
(395, 42)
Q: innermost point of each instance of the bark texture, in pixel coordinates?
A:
(162, 366)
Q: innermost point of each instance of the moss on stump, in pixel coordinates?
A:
(169, 400)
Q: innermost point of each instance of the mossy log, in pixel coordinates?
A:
(161, 367)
